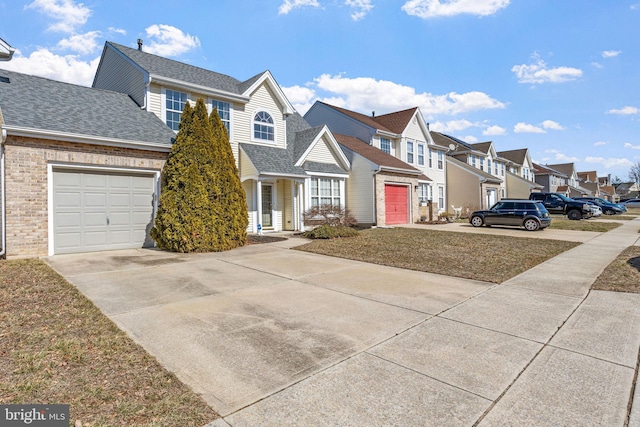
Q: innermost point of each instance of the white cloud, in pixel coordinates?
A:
(633, 147)
(81, 43)
(167, 40)
(288, 5)
(117, 30)
(550, 124)
(451, 126)
(44, 63)
(361, 8)
(597, 65)
(610, 53)
(561, 157)
(600, 143)
(300, 97)
(434, 8)
(364, 93)
(494, 131)
(67, 13)
(628, 110)
(527, 128)
(538, 72)
(610, 162)
(469, 138)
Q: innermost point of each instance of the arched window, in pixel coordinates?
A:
(263, 127)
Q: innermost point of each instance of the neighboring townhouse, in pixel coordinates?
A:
(402, 134)
(608, 190)
(628, 190)
(285, 165)
(382, 189)
(475, 175)
(552, 181)
(589, 180)
(520, 178)
(573, 188)
(81, 167)
(6, 51)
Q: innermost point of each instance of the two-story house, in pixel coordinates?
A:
(573, 188)
(551, 180)
(521, 179)
(285, 165)
(589, 180)
(403, 135)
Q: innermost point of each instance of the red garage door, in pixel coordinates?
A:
(396, 202)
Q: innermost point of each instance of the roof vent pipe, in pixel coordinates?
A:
(373, 114)
(140, 45)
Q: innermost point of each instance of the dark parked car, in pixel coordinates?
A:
(557, 203)
(530, 214)
(607, 207)
(631, 203)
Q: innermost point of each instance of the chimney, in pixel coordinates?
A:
(373, 114)
(140, 45)
(428, 130)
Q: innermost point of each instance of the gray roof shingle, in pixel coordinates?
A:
(38, 103)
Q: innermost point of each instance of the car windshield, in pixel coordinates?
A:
(564, 198)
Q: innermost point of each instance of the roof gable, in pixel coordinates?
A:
(374, 155)
(266, 78)
(396, 122)
(518, 157)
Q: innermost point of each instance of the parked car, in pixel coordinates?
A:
(595, 209)
(530, 214)
(560, 204)
(632, 203)
(608, 208)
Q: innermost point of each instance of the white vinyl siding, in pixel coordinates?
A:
(360, 194)
(263, 99)
(321, 153)
(155, 100)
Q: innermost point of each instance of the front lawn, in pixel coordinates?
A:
(469, 255)
(562, 223)
(56, 347)
(623, 274)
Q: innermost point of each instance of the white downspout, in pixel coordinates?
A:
(3, 251)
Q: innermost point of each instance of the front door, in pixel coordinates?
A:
(267, 206)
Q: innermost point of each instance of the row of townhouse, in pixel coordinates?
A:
(81, 166)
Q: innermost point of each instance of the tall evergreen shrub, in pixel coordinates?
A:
(202, 205)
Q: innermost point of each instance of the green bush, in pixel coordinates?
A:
(202, 205)
(327, 231)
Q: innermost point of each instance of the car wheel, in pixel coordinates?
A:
(531, 224)
(574, 215)
(476, 221)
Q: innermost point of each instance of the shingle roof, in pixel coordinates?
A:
(565, 168)
(43, 104)
(516, 156)
(367, 120)
(165, 67)
(397, 121)
(274, 160)
(482, 146)
(476, 171)
(546, 170)
(373, 154)
(588, 176)
(444, 140)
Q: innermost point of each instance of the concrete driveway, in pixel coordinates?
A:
(273, 336)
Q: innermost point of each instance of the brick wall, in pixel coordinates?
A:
(26, 161)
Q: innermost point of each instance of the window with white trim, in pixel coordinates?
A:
(472, 160)
(174, 105)
(430, 158)
(481, 163)
(325, 191)
(502, 169)
(440, 160)
(263, 127)
(423, 192)
(441, 197)
(421, 154)
(224, 111)
(495, 167)
(410, 152)
(385, 145)
(489, 165)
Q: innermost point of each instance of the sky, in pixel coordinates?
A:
(559, 77)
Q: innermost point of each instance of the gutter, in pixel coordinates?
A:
(3, 250)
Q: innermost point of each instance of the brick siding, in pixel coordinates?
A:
(26, 161)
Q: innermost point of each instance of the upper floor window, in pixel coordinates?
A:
(385, 145)
(481, 163)
(502, 169)
(489, 165)
(495, 167)
(263, 127)
(440, 160)
(472, 160)
(174, 105)
(224, 112)
(409, 152)
(421, 154)
(430, 158)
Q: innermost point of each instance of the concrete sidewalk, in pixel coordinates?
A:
(271, 336)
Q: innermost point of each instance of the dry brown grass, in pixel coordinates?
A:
(562, 223)
(57, 347)
(473, 256)
(623, 274)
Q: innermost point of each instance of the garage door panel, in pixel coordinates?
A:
(101, 211)
(396, 204)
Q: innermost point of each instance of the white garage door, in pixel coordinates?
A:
(96, 211)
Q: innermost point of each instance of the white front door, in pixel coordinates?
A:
(267, 206)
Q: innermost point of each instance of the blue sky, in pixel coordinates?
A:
(561, 78)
